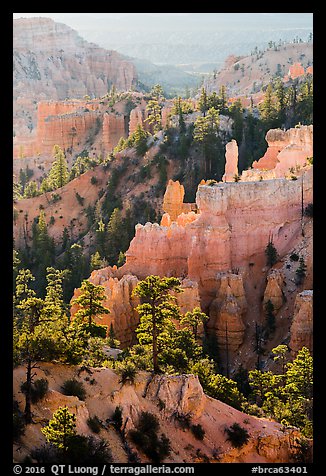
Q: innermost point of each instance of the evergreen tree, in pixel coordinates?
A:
(43, 251)
(90, 303)
(156, 91)
(206, 134)
(61, 429)
(223, 99)
(267, 107)
(97, 262)
(31, 190)
(194, 319)
(236, 112)
(156, 313)
(154, 114)
(59, 174)
(270, 317)
(139, 139)
(203, 102)
(117, 236)
(271, 253)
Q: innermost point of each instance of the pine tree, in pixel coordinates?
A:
(271, 253)
(31, 190)
(203, 102)
(206, 134)
(154, 114)
(223, 99)
(267, 107)
(194, 319)
(117, 239)
(156, 313)
(59, 174)
(61, 429)
(90, 302)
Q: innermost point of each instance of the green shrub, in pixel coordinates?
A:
(94, 180)
(237, 435)
(127, 371)
(18, 422)
(198, 431)
(300, 273)
(80, 199)
(75, 388)
(39, 389)
(183, 419)
(117, 418)
(94, 424)
(294, 257)
(82, 451)
(146, 438)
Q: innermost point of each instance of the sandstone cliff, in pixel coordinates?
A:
(302, 325)
(51, 61)
(118, 292)
(227, 310)
(287, 150)
(232, 228)
(268, 442)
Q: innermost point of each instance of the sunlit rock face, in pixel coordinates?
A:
(286, 150)
(233, 224)
(231, 161)
(302, 324)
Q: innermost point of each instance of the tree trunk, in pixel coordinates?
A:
(155, 355)
(28, 411)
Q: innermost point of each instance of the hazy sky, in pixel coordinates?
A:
(161, 36)
(183, 21)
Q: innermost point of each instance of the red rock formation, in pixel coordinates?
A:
(302, 324)
(233, 225)
(113, 130)
(286, 150)
(173, 200)
(296, 70)
(226, 311)
(273, 291)
(51, 61)
(231, 161)
(269, 441)
(118, 291)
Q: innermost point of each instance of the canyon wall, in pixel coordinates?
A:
(51, 61)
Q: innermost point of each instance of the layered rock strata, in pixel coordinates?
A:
(273, 291)
(122, 305)
(233, 226)
(286, 150)
(302, 324)
(227, 310)
(51, 61)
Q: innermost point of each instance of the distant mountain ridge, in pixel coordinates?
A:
(249, 74)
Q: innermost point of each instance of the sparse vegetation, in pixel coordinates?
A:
(237, 435)
(146, 438)
(75, 388)
(94, 424)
